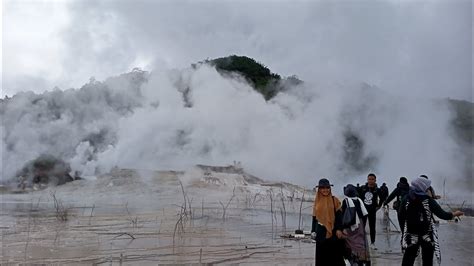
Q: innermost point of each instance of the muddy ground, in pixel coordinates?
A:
(142, 219)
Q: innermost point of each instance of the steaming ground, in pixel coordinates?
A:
(174, 119)
(137, 216)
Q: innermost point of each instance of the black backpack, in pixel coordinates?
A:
(349, 215)
(399, 200)
(416, 218)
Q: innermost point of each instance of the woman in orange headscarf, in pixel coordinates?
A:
(326, 227)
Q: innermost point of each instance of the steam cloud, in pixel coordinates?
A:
(140, 120)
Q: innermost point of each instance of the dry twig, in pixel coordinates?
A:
(224, 208)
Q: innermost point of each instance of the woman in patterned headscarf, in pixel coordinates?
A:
(326, 226)
(419, 230)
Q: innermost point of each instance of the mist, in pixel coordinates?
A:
(410, 48)
(140, 120)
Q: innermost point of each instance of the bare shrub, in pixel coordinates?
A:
(224, 208)
(282, 209)
(299, 217)
(133, 220)
(62, 212)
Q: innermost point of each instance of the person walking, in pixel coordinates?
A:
(417, 210)
(431, 192)
(400, 192)
(359, 191)
(370, 196)
(357, 251)
(326, 226)
(383, 192)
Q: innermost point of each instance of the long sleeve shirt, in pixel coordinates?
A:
(370, 197)
(434, 207)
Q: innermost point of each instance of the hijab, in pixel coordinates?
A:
(325, 210)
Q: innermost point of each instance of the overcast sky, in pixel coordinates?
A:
(421, 48)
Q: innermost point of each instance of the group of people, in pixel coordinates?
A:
(339, 227)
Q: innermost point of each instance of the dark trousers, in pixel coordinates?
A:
(427, 251)
(330, 252)
(371, 216)
(400, 222)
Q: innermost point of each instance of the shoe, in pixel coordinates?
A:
(372, 246)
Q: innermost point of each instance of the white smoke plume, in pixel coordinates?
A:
(143, 120)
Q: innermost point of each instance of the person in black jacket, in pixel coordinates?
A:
(326, 226)
(370, 196)
(417, 210)
(400, 193)
(383, 192)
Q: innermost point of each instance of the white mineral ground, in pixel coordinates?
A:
(140, 217)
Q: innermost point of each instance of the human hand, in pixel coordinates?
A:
(340, 234)
(313, 235)
(458, 213)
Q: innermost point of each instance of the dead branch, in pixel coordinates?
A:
(283, 210)
(119, 235)
(224, 208)
(184, 196)
(90, 217)
(133, 221)
(179, 225)
(299, 217)
(62, 212)
(270, 193)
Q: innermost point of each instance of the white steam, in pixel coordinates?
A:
(142, 120)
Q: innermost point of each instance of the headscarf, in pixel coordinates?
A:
(324, 209)
(420, 185)
(403, 180)
(351, 194)
(350, 191)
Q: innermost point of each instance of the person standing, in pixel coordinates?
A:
(357, 251)
(326, 226)
(370, 195)
(400, 192)
(417, 210)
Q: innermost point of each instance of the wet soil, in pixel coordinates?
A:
(116, 221)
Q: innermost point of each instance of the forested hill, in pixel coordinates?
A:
(257, 74)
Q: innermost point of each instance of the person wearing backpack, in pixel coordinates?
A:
(326, 226)
(370, 195)
(400, 193)
(354, 217)
(383, 192)
(419, 229)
